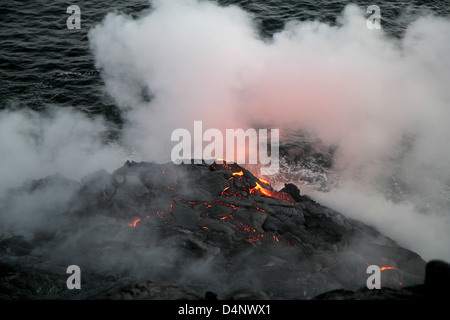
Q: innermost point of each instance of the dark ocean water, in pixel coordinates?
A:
(44, 63)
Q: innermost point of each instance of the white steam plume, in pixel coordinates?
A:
(63, 141)
(351, 86)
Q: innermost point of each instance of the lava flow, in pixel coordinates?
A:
(273, 194)
(133, 224)
(238, 186)
(387, 268)
(382, 268)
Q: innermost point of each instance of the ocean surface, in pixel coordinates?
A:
(45, 66)
(42, 62)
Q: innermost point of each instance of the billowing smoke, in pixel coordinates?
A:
(383, 102)
(59, 141)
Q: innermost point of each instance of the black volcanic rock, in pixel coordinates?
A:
(437, 279)
(293, 190)
(162, 231)
(148, 290)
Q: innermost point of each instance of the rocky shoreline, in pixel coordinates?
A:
(198, 231)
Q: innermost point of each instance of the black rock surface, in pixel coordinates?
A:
(192, 231)
(435, 288)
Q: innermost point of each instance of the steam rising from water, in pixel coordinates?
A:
(384, 102)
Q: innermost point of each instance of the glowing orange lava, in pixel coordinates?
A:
(252, 234)
(223, 191)
(382, 268)
(133, 224)
(387, 268)
(273, 194)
